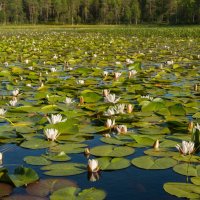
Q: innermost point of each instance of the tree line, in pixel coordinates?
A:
(100, 11)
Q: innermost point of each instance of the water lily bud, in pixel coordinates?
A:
(196, 88)
(93, 176)
(107, 135)
(191, 126)
(87, 151)
(129, 108)
(81, 100)
(1, 156)
(93, 165)
(156, 145)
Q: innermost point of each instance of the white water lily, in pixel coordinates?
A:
(197, 127)
(118, 63)
(111, 98)
(106, 92)
(132, 73)
(30, 68)
(51, 134)
(2, 111)
(119, 109)
(105, 73)
(93, 165)
(147, 97)
(121, 129)
(156, 145)
(117, 75)
(186, 147)
(15, 92)
(93, 177)
(110, 112)
(53, 69)
(26, 61)
(55, 119)
(80, 82)
(13, 102)
(129, 61)
(68, 100)
(169, 62)
(55, 57)
(6, 64)
(129, 108)
(28, 85)
(1, 158)
(110, 123)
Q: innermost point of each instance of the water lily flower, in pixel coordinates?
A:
(110, 123)
(196, 87)
(13, 102)
(26, 61)
(87, 151)
(186, 147)
(122, 129)
(2, 111)
(197, 127)
(129, 108)
(28, 85)
(6, 64)
(31, 67)
(81, 100)
(107, 135)
(117, 75)
(68, 100)
(156, 145)
(51, 134)
(93, 165)
(118, 63)
(80, 82)
(106, 92)
(95, 55)
(55, 57)
(129, 61)
(53, 69)
(110, 112)
(132, 73)
(147, 97)
(15, 92)
(119, 109)
(1, 158)
(55, 119)
(169, 62)
(191, 126)
(111, 98)
(105, 73)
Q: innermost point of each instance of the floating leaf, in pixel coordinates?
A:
(23, 176)
(177, 109)
(72, 193)
(36, 143)
(187, 169)
(147, 162)
(107, 163)
(64, 169)
(36, 160)
(111, 151)
(5, 189)
(185, 190)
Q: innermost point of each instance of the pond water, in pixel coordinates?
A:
(152, 83)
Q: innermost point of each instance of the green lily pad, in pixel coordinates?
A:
(196, 180)
(107, 163)
(61, 156)
(177, 109)
(112, 141)
(72, 193)
(161, 152)
(147, 162)
(111, 151)
(36, 143)
(64, 169)
(36, 160)
(185, 190)
(187, 169)
(23, 176)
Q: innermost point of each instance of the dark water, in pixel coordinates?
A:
(129, 184)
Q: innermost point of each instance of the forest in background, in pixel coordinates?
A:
(99, 11)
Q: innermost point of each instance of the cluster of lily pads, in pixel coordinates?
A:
(61, 89)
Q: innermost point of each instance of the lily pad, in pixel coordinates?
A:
(5, 189)
(72, 193)
(111, 151)
(185, 190)
(23, 176)
(147, 162)
(36, 160)
(64, 169)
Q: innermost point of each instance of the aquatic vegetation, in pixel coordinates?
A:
(77, 101)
